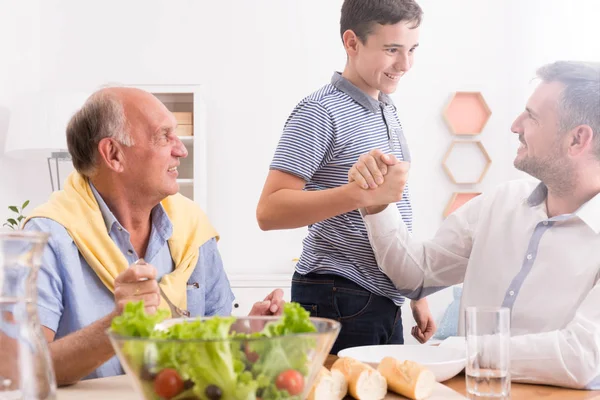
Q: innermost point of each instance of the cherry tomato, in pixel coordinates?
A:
(250, 355)
(168, 383)
(290, 380)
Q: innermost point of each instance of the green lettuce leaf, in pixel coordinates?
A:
(206, 362)
(280, 354)
(135, 322)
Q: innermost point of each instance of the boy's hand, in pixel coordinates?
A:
(425, 327)
(369, 170)
(390, 191)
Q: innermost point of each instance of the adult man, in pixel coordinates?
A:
(120, 206)
(526, 246)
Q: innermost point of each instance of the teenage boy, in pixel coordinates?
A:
(337, 275)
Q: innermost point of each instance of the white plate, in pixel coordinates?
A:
(445, 363)
(455, 342)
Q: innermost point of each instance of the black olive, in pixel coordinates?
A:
(146, 374)
(188, 384)
(213, 392)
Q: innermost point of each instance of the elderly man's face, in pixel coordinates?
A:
(153, 159)
(543, 150)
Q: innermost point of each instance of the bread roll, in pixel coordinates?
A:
(364, 381)
(340, 385)
(329, 386)
(408, 378)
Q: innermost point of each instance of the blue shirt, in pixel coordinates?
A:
(71, 296)
(321, 140)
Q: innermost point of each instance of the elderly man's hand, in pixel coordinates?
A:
(138, 282)
(271, 305)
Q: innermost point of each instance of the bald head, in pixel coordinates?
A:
(142, 110)
(108, 113)
(136, 102)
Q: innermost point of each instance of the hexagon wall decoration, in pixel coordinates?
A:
(466, 162)
(467, 113)
(457, 200)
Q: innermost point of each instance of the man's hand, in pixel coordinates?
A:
(369, 170)
(425, 327)
(138, 282)
(271, 305)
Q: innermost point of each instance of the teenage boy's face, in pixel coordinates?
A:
(385, 56)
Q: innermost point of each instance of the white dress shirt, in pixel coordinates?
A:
(509, 253)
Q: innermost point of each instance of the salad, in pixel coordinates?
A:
(208, 360)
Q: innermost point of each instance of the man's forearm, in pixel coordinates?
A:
(77, 355)
(569, 356)
(289, 208)
(419, 268)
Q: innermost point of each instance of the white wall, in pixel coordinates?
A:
(19, 71)
(257, 59)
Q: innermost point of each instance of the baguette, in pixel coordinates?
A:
(364, 381)
(408, 378)
(329, 386)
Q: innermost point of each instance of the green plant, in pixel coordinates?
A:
(14, 222)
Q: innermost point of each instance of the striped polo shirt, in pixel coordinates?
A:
(321, 140)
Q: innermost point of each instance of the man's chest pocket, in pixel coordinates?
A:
(196, 303)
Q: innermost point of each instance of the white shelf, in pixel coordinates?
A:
(261, 281)
(193, 169)
(186, 139)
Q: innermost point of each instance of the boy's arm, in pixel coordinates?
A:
(284, 204)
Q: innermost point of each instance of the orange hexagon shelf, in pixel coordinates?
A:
(466, 162)
(457, 200)
(467, 113)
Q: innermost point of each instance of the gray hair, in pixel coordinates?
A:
(102, 116)
(579, 102)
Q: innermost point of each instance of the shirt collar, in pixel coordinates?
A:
(358, 95)
(589, 212)
(538, 195)
(160, 219)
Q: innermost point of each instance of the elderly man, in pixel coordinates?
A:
(531, 247)
(120, 206)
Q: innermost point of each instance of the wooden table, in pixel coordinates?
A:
(519, 391)
(121, 388)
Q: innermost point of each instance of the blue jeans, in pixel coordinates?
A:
(367, 319)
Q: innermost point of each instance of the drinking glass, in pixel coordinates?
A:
(488, 352)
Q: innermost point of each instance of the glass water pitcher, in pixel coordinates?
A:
(26, 371)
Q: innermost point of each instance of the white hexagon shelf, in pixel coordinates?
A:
(467, 113)
(466, 162)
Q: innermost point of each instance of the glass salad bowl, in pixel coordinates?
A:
(222, 358)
